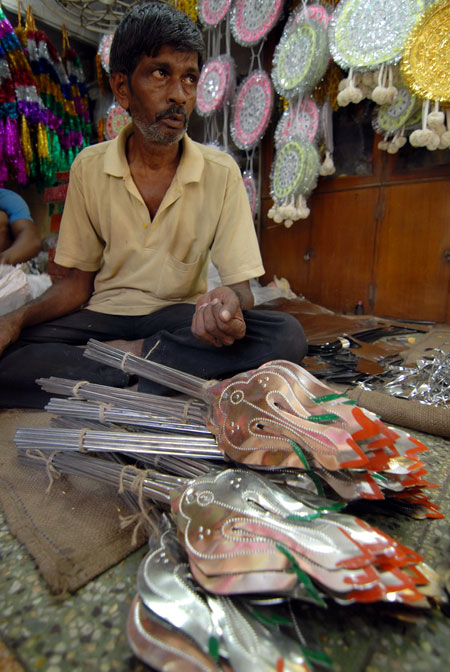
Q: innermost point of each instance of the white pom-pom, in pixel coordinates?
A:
(421, 137)
(392, 148)
(400, 141)
(277, 218)
(445, 140)
(343, 98)
(436, 120)
(434, 142)
(305, 212)
(343, 84)
(355, 95)
(391, 94)
(288, 223)
(327, 167)
(383, 145)
(271, 213)
(379, 95)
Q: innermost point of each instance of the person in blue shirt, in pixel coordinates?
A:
(19, 234)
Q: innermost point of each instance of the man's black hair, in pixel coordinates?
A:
(148, 27)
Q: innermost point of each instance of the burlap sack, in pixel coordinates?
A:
(73, 532)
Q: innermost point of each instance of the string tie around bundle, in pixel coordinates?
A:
(102, 407)
(142, 517)
(186, 408)
(52, 472)
(124, 360)
(81, 447)
(76, 388)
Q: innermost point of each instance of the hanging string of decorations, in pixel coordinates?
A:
(44, 106)
(23, 134)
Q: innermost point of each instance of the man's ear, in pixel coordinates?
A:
(120, 88)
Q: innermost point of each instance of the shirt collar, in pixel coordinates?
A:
(189, 169)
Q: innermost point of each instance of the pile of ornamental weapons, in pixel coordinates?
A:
(242, 484)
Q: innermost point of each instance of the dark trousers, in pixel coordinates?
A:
(50, 349)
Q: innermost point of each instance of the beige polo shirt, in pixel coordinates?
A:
(143, 264)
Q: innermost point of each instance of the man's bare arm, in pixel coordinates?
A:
(26, 242)
(65, 296)
(218, 318)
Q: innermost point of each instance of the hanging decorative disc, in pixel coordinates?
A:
(211, 12)
(366, 33)
(300, 120)
(116, 119)
(215, 85)
(252, 109)
(295, 170)
(301, 57)
(390, 118)
(104, 49)
(251, 189)
(426, 57)
(315, 12)
(251, 20)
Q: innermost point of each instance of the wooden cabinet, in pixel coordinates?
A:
(382, 237)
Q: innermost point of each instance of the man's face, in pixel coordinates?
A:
(161, 94)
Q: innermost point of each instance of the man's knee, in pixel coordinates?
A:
(289, 340)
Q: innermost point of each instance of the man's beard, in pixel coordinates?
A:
(154, 133)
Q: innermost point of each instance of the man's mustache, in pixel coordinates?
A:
(175, 109)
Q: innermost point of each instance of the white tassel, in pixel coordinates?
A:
(445, 137)
(327, 167)
(422, 137)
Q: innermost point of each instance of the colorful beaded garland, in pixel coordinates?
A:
(116, 119)
(104, 49)
(252, 109)
(366, 34)
(251, 20)
(215, 85)
(302, 121)
(212, 12)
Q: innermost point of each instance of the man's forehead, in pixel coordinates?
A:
(167, 53)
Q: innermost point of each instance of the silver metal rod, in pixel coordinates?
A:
(93, 411)
(176, 380)
(185, 410)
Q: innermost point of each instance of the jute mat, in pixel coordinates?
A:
(72, 532)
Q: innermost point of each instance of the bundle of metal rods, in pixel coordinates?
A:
(155, 486)
(177, 380)
(181, 410)
(86, 441)
(122, 416)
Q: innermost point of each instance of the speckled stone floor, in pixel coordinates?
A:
(85, 632)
